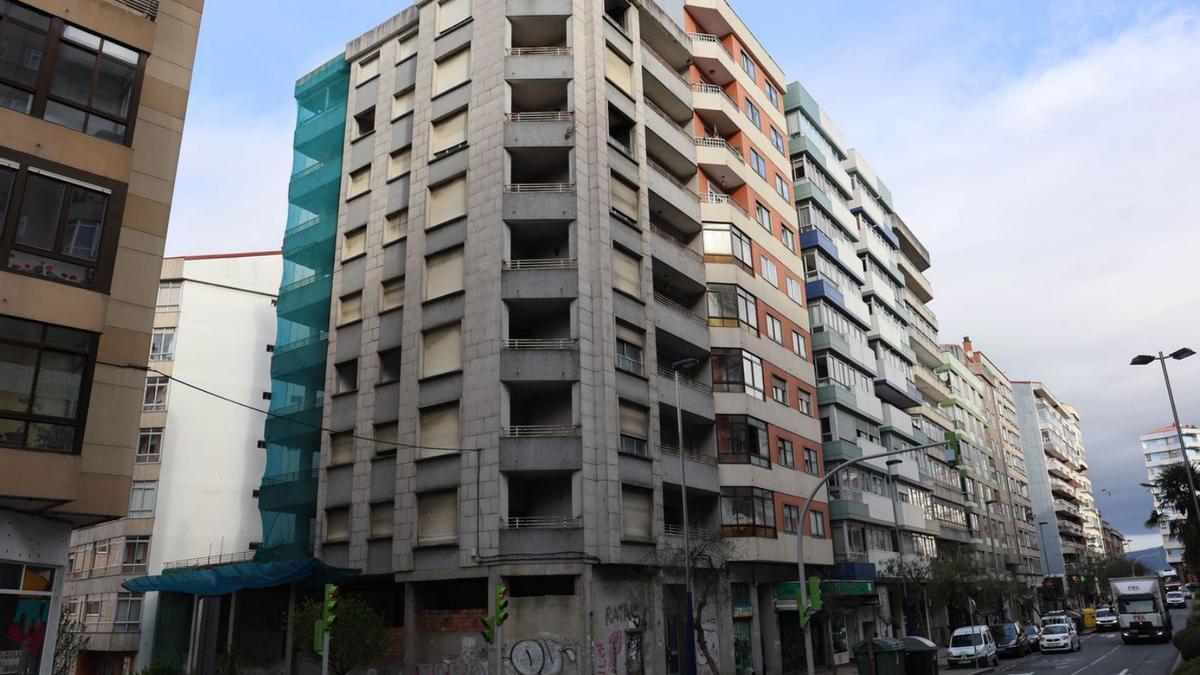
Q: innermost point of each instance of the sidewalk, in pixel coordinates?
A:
(851, 669)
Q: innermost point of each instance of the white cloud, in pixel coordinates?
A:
(1138, 542)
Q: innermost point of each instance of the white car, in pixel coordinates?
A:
(1106, 619)
(1176, 599)
(1059, 637)
(972, 646)
(1052, 619)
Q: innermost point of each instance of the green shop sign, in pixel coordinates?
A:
(787, 590)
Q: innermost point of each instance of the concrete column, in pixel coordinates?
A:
(768, 621)
(756, 642)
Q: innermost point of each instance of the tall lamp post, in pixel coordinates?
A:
(904, 612)
(1178, 355)
(689, 620)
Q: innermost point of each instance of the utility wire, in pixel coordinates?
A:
(268, 413)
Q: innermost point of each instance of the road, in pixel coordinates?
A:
(1102, 654)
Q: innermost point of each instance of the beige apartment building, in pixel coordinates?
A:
(92, 101)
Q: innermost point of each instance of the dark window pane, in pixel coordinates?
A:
(17, 363)
(73, 74)
(39, 212)
(12, 432)
(107, 129)
(85, 217)
(51, 437)
(10, 576)
(15, 99)
(114, 86)
(59, 380)
(21, 330)
(63, 271)
(29, 16)
(20, 53)
(38, 579)
(68, 337)
(6, 181)
(65, 115)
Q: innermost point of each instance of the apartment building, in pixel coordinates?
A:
(1012, 513)
(1052, 441)
(92, 101)
(197, 463)
(1114, 540)
(1160, 448)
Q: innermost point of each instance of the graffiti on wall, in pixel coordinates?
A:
(471, 660)
(544, 656)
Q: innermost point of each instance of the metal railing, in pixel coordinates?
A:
(539, 187)
(706, 88)
(292, 346)
(302, 226)
(663, 114)
(694, 533)
(540, 264)
(147, 8)
(106, 571)
(301, 283)
(541, 522)
(710, 142)
(520, 344)
(693, 455)
(724, 199)
(297, 407)
(541, 116)
(684, 248)
(658, 168)
(668, 302)
(97, 627)
(658, 57)
(211, 560)
(688, 382)
(538, 51)
(706, 37)
(846, 494)
(541, 430)
(290, 477)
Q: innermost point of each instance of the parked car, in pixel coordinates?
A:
(1052, 619)
(1106, 619)
(1059, 637)
(1175, 599)
(1191, 589)
(1033, 634)
(1011, 639)
(971, 645)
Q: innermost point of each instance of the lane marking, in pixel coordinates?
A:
(1106, 655)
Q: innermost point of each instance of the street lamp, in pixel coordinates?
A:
(689, 620)
(1178, 355)
(891, 464)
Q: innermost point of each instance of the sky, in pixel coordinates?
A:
(1040, 149)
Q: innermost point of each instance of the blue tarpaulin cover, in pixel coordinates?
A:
(232, 577)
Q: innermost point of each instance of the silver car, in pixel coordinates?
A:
(1059, 637)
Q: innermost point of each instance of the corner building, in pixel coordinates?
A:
(549, 211)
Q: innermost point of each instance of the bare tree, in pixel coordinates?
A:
(70, 642)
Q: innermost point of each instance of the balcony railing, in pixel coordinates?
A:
(211, 560)
(705, 37)
(683, 248)
(684, 380)
(540, 264)
(711, 142)
(668, 302)
(706, 88)
(541, 430)
(720, 198)
(693, 455)
(534, 344)
(663, 61)
(107, 571)
(96, 627)
(147, 8)
(291, 477)
(847, 494)
(539, 187)
(541, 522)
(695, 533)
(671, 177)
(538, 51)
(663, 114)
(292, 346)
(541, 116)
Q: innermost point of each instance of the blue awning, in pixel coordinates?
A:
(223, 579)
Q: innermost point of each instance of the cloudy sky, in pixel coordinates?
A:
(1043, 151)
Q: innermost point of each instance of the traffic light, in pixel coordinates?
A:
(501, 604)
(328, 606)
(489, 630)
(814, 594)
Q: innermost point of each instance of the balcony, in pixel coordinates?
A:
(551, 360)
(1057, 468)
(674, 318)
(892, 386)
(719, 112)
(671, 200)
(721, 162)
(288, 493)
(914, 280)
(111, 636)
(301, 361)
(1060, 488)
(306, 301)
(840, 450)
(695, 397)
(669, 248)
(668, 140)
(712, 57)
(321, 130)
(1066, 508)
(534, 63)
(310, 243)
(701, 468)
(312, 187)
(929, 384)
(539, 278)
(662, 84)
(297, 422)
(540, 516)
(1054, 449)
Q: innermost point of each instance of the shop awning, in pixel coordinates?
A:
(231, 577)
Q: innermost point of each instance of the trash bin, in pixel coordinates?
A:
(920, 656)
(888, 653)
(1089, 618)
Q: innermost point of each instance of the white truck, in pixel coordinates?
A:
(1142, 609)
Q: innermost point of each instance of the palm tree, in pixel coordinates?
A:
(1173, 492)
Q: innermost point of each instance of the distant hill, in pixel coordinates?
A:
(1153, 558)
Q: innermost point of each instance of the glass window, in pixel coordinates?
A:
(795, 291)
(129, 612)
(799, 345)
(41, 393)
(629, 357)
(168, 296)
(774, 328)
(162, 344)
(805, 401)
(742, 440)
(758, 164)
(748, 66)
(406, 47)
(752, 113)
(142, 498)
(25, 596)
(788, 238)
(779, 389)
(781, 187)
(816, 524)
(399, 164)
(149, 448)
(368, 69)
(402, 104)
(761, 213)
(772, 94)
(156, 394)
(451, 71)
(791, 519)
(747, 512)
(450, 13)
(769, 271)
(389, 365)
(787, 452)
(810, 462)
(137, 553)
(777, 140)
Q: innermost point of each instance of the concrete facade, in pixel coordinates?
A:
(1161, 448)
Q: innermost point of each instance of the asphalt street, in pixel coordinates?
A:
(1101, 654)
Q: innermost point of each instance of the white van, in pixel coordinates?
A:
(971, 646)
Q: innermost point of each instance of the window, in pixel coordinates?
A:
(91, 612)
(155, 399)
(406, 47)
(354, 243)
(168, 296)
(360, 182)
(747, 512)
(772, 94)
(447, 201)
(389, 365)
(781, 187)
(636, 512)
(149, 445)
(737, 371)
(627, 274)
(791, 519)
(788, 238)
(368, 69)
(730, 306)
(162, 344)
(816, 524)
(55, 224)
(618, 71)
(66, 75)
(449, 134)
(723, 239)
(811, 464)
(779, 389)
(748, 66)
(787, 452)
(391, 295)
(804, 399)
(399, 164)
(752, 113)
(381, 520)
(402, 104)
(450, 13)
(451, 71)
(437, 517)
(774, 328)
(100, 555)
(395, 226)
(795, 291)
(624, 200)
(769, 271)
(137, 553)
(439, 429)
(349, 308)
(129, 612)
(635, 428)
(337, 524)
(364, 123)
(629, 349)
(759, 165)
(742, 440)
(345, 376)
(777, 140)
(442, 351)
(341, 448)
(761, 213)
(444, 273)
(142, 496)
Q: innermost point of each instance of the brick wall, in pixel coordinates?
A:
(450, 620)
(395, 651)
